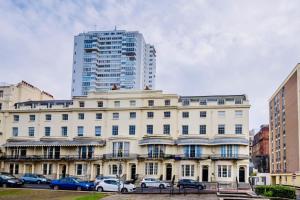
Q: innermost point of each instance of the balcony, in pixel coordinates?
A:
(119, 156)
(156, 156)
(191, 157)
(229, 157)
(33, 158)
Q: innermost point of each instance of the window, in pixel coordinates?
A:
(48, 117)
(65, 117)
(81, 116)
(150, 114)
(115, 170)
(16, 118)
(185, 114)
(149, 129)
(238, 113)
(81, 104)
(221, 129)
(120, 149)
(1, 93)
(86, 152)
(150, 102)
(224, 171)
(80, 130)
(0, 106)
(151, 168)
(202, 114)
(167, 114)
(47, 131)
(31, 131)
(47, 169)
(192, 151)
(185, 102)
(64, 131)
(132, 115)
(238, 129)
(202, 129)
(187, 170)
(100, 104)
(185, 129)
(229, 151)
(81, 169)
(15, 131)
(156, 150)
(238, 101)
(221, 113)
(31, 117)
(98, 116)
(115, 115)
(115, 130)
(132, 103)
(97, 130)
(167, 129)
(221, 101)
(203, 102)
(117, 103)
(167, 102)
(14, 168)
(131, 129)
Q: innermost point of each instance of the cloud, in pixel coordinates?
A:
(203, 47)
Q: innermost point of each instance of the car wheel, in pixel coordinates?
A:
(38, 182)
(200, 187)
(161, 186)
(124, 190)
(100, 189)
(55, 187)
(4, 185)
(78, 188)
(143, 185)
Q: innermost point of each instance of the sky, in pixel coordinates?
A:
(203, 47)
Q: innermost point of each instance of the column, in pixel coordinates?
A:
(92, 171)
(57, 170)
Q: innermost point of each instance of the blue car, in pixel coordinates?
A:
(71, 183)
(34, 178)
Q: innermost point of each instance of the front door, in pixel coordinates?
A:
(205, 174)
(63, 171)
(242, 174)
(133, 172)
(169, 172)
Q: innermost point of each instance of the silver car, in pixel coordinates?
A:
(153, 182)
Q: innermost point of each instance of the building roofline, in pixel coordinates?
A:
(285, 81)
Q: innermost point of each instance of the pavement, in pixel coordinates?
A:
(161, 197)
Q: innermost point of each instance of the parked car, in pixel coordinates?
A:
(152, 182)
(113, 185)
(35, 178)
(189, 183)
(71, 183)
(7, 180)
(99, 178)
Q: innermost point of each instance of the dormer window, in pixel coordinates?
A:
(221, 101)
(81, 104)
(185, 102)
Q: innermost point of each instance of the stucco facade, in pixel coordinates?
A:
(145, 133)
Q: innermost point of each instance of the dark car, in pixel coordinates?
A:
(189, 183)
(7, 180)
(35, 178)
(71, 183)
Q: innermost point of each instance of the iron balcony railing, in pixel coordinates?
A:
(43, 157)
(192, 157)
(120, 155)
(229, 156)
(156, 156)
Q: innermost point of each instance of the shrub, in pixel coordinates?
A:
(276, 191)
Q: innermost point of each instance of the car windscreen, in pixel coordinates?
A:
(78, 180)
(40, 176)
(7, 176)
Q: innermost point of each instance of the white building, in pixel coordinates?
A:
(103, 59)
(144, 132)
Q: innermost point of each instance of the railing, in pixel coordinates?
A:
(192, 157)
(229, 156)
(156, 156)
(43, 157)
(119, 155)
